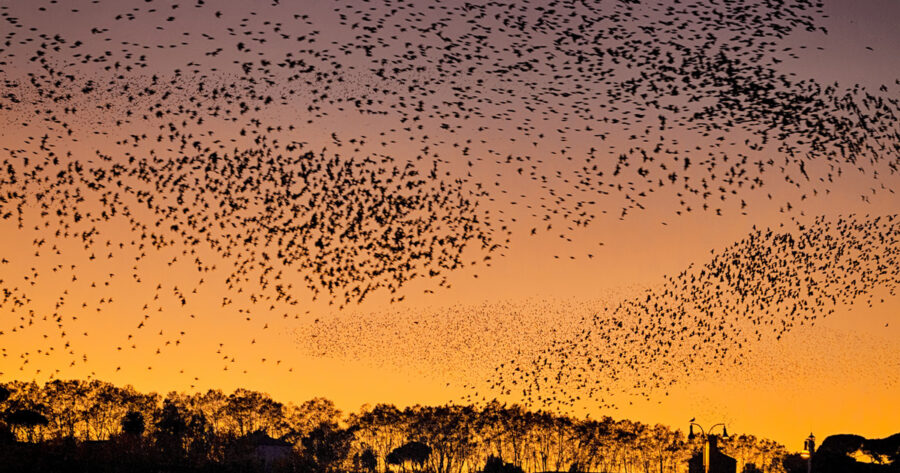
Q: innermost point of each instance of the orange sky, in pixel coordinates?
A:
(839, 376)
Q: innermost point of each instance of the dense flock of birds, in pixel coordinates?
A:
(346, 149)
(576, 354)
(472, 337)
(763, 286)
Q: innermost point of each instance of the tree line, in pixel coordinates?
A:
(90, 425)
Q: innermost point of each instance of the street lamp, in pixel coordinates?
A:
(707, 437)
(809, 447)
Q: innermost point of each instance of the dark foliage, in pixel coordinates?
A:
(411, 452)
(857, 454)
(497, 465)
(96, 427)
(133, 423)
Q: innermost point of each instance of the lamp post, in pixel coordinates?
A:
(809, 447)
(707, 434)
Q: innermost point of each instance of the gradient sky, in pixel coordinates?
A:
(841, 375)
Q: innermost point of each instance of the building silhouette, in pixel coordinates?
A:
(710, 459)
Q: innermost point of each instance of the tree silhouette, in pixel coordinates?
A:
(170, 428)
(250, 411)
(448, 430)
(327, 446)
(366, 461)
(210, 431)
(751, 468)
(133, 424)
(497, 465)
(27, 419)
(381, 428)
(6, 435)
(416, 453)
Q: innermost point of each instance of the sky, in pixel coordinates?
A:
(123, 319)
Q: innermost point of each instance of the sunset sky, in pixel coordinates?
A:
(840, 375)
